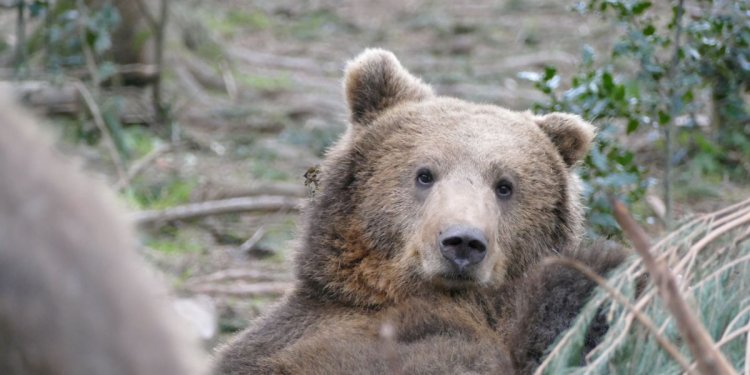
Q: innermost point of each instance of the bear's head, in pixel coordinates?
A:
(428, 194)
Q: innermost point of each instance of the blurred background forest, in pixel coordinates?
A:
(209, 117)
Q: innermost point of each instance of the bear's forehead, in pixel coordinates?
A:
(446, 127)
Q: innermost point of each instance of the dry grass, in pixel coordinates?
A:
(708, 259)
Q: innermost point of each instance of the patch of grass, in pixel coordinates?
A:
(317, 138)
(75, 131)
(171, 193)
(139, 141)
(264, 169)
(265, 83)
(255, 20)
(173, 246)
(695, 190)
(315, 25)
(234, 21)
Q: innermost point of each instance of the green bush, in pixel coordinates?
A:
(654, 78)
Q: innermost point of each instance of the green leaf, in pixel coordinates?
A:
(549, 73)
(649, 30)
(608, 83)
(663, 117)
(619, 92)
(641, 7)
(632, 125)
(687, 97)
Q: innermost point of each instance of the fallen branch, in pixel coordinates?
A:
(253, 240)
(709, 359)
(272, 288)
(62, 99)
(234, 205)
(235, 274)
(280, 189)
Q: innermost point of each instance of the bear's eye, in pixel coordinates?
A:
(424, 178)
(504, 189)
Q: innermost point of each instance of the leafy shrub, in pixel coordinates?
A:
(654, 78)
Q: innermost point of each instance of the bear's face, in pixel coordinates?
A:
(432, 193)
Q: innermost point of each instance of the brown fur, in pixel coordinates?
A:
(548, 299)
(74, 297)
(370, 250)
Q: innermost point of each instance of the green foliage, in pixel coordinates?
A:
(265, 83)
(594, 94)
(647, 81)
(70, 28)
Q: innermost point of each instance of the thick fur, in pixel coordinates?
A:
(74, 297)
(369, 255)
(547, 300)
(453, 334)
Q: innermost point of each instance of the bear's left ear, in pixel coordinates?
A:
(375, 81)
(569, 133)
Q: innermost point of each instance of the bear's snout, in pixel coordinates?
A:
(463, 246)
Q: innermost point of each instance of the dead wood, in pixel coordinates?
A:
(271, 288)
(263, 203)
(281, 189)
(61, 99)
(247, 274)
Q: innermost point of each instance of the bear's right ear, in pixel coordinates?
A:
(569, 133)
(375, 81)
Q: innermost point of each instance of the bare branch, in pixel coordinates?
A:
(194, 210)
(285, 189)
(273, 288)
(236, 274)
(253, 240)
(708, 358)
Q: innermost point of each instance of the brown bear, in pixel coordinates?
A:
(74, 296)
(421, 249)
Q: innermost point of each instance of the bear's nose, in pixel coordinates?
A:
(463, 246)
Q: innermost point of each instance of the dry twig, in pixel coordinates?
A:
(102, 126)
(709, 359)
(253, 240)
(141, 164)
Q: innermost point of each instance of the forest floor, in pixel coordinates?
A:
(256, 91)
